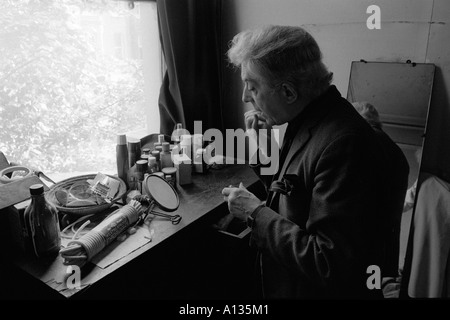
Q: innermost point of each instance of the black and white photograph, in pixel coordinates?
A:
(222, 158)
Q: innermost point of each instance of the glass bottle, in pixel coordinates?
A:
(156, 155)
(166, 156)
(42, 224)
(152, 165)
(141, 170)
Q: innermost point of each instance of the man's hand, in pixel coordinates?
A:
(255, 120)
(241, 202)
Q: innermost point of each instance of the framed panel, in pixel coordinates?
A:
(401, 92)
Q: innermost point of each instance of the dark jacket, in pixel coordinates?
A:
(327, 221)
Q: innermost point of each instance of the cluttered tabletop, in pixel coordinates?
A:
(106, 221)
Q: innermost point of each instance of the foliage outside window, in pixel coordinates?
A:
(71, 79)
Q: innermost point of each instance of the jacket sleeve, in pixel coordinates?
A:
(341, 228)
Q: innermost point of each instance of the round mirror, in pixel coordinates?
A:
(162, 192)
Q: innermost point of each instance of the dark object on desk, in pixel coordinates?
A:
(42, 236)
(161, 192)
(14, 198)
(80, 251)
(122, 158)
(88, 208)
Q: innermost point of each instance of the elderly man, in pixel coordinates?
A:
(321, 232)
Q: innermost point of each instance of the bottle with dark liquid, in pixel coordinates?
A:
(42, 225)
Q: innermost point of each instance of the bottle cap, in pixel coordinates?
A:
(121, 139)
(141, 165)
(166, 146)
(134, 145)
(36, 189)
(151, 160)
(146, 150)
(159, 148)
(160, 138)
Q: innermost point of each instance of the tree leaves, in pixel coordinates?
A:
(62, 101)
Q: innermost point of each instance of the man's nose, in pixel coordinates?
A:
(246, 96)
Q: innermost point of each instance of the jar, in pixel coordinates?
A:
(170, 174)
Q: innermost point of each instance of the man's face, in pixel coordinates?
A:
(263, 98)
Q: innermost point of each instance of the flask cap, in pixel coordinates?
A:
(36, 189)
(141, 165)
(121, 139)
(166, 146)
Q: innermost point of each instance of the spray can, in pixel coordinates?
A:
(122, 158)
(134, 152)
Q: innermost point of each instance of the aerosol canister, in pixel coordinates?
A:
(122, 158)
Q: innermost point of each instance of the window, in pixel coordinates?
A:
(73, 75)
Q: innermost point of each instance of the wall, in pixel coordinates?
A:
(410, 30)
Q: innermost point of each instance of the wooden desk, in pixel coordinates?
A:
(154, 266)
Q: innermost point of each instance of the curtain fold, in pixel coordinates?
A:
(190, 33)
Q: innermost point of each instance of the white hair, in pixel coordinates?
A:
(283, 54)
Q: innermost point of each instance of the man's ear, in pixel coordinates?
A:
(289, 93)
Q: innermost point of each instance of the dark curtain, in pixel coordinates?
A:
(190, 32)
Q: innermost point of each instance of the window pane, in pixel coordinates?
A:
(73, 75)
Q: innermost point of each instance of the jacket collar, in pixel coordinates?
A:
(302, 125)
(300, 128)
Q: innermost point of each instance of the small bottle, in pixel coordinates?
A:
(152, 165)
(141, 170)
(131, 175)
(157, 144)
(166, 156)
(183, 164)
(170, 174)
(122, 158)
(145, 152)
(42, 225)
(156, 154)
(144, 157)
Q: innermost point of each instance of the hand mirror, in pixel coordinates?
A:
(163, 194)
